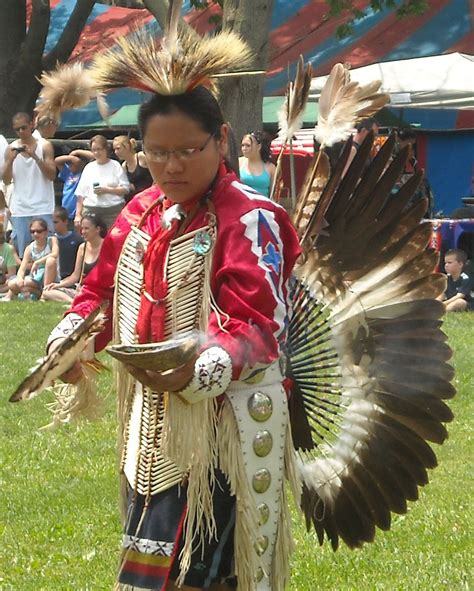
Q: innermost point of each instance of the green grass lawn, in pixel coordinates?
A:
(59, 519)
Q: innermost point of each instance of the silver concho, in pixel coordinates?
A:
(261, 480)
(260, 407)
(264, 513)
(261, 545)
(202, 243)
(263, 443)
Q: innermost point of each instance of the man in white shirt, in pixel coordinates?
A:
(3, 205)
(29, 163)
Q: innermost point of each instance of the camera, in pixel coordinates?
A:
(19, 149)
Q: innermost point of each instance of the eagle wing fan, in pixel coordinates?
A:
(366, 354)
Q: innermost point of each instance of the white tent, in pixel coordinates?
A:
(444, 81)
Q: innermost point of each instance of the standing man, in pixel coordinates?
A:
(29, 163)
(3, 203)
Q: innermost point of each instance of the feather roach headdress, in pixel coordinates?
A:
(181, 62)
(69, 86)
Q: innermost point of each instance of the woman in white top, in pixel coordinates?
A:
(103, 185)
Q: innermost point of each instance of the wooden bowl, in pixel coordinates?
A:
(157, 356)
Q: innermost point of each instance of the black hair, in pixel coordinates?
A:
(460, 255)
(200, 105)
(264, 141)
(61, 212)
(367, 124)
(97, 221)
(22, 115)
(406, 135)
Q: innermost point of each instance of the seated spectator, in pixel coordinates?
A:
(70, 168)
(102, 186)
(9, 261)
(457, 296)
(134, 164)
(68, 242)
(36, 254)
(93, 231)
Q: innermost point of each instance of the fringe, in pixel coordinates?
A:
(124, 384)
(231, 462)
(292, 473)
(76, 401)
(190, 441)
(284, 545)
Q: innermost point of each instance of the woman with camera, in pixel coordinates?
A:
(103, 185)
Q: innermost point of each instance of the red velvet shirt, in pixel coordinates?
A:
(254, 254)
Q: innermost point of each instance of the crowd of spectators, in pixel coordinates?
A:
(48, 245)
(46, 250)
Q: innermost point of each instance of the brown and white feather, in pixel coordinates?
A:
(343, 103)
(367, 355)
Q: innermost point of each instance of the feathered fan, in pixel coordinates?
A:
(54, 365)
(366, 353)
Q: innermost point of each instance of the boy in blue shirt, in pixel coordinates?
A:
(70, 168)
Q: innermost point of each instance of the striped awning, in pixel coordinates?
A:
(298, 27)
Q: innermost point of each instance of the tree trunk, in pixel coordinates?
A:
(21, 52)
(242, 97)
(22, 60)
(12, 36)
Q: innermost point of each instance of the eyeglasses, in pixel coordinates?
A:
(21, 128)
(37, 231)
(182, 154)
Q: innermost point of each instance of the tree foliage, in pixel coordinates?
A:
(23, 57)
(353, 12)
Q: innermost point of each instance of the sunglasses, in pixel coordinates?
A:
(37, 231)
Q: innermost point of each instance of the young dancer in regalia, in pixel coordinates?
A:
(207, 445)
